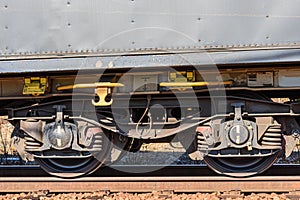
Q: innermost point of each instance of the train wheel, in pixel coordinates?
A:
(241, 167)
(70, 163)
(69, 167)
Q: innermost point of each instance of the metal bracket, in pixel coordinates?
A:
(35, 85)
(59, 113)
(237, 111)
(102, 93)
(102, 89)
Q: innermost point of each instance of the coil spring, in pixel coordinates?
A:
(272, 136)
(31, 143)
(201, 142)
(97, 143)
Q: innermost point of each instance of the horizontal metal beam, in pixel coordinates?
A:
(205, 60)
(148, 184)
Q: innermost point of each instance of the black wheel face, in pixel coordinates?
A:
(241, 167)
(69, 167)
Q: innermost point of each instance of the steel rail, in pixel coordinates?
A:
(191, 178)
(148, 184)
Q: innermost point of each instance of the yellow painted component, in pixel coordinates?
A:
(182, 76)
(102, 92)
(89, 85)
(172, 76)
(102, 89)
(35, 85)
(194, 84)
(190, 76)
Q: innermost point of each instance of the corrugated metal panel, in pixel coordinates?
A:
(35, 27)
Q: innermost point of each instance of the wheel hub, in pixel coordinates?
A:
(239, 134)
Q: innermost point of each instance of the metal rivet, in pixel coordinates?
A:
(69, 45)
(6, 27)
(199, 18)
(6, 6)
(132, 42)
(132, 21)
(68, 3)
(267, 16)
(69, 24)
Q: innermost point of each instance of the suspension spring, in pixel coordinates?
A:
(97, 143)
(272, 136)
(31, 144)
(201, 141)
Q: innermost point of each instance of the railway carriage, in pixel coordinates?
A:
(85, 81)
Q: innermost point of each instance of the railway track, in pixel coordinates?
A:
(148, 184)
(280, 178)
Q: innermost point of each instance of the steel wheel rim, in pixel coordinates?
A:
(84, 166)
(253, 167)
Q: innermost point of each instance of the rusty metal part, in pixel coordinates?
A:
(148, 184)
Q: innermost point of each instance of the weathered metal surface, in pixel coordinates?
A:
(148, 184)
(33, 27)
(167, 60)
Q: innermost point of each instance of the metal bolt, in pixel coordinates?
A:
(296, 133)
